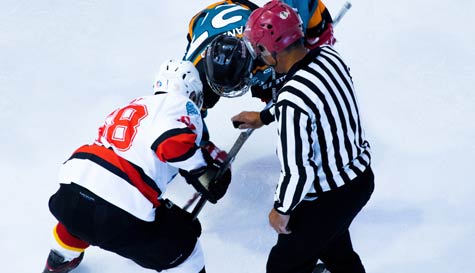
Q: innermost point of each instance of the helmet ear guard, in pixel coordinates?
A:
(228, 66)
(180, 77)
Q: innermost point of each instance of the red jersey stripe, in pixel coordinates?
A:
(134, 177)
(175, 145)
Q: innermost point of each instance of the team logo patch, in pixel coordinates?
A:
(191, 109)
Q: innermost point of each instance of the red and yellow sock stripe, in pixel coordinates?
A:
(68, 241)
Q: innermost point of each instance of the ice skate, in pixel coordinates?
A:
(56, 263)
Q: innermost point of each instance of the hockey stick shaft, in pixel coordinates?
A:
(341, 13)
(192, 200)
(243, 136)
(231, 155)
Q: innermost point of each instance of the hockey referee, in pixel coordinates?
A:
(326, 177)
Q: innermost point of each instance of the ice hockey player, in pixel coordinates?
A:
(228, 69)
(326, 177)
(110, 192)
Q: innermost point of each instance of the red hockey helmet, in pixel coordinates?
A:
(272, 28)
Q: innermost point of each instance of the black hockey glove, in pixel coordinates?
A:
(204, 179)
(169, 214)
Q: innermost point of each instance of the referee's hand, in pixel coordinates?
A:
(279, 222)
(246, 119)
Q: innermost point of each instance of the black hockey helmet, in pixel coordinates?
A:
(228, 66)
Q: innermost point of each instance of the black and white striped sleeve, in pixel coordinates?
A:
(295, 152)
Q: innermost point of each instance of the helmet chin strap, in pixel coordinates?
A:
(274, 81)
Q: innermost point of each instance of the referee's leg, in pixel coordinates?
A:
(320, 227)
(339, 256)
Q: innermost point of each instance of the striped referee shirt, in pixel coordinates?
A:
(321, 142)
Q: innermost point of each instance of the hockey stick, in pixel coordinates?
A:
(341, 13)
(191, 200)
(243, 136)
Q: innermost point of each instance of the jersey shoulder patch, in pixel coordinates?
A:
(191, 109)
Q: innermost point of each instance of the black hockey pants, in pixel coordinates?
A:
(158, 245)
(320, 231)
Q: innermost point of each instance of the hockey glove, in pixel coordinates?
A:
(204, 179)
(326, 38)
(169, 214)
(213, 153)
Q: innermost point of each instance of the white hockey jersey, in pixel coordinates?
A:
(138, 151)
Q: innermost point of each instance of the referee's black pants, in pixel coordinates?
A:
(320, 231)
